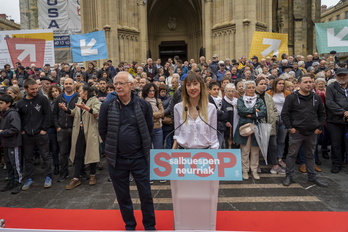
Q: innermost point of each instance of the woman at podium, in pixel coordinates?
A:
(195, 119)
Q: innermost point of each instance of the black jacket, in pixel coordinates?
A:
(60, 118)
(336, 103)
(222, 115)
(11, 129)
(109, 119)
(35, 114)
(304, 113)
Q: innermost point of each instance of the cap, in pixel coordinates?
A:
(254, 57)
(215, 56)
(21, 67)
(36, 69)
(341, 71)
(47, 65)
(333, 52)
(45, 79)
(221, 63)
(3, 89)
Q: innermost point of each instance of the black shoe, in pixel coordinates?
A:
(325, 154)
(16, 189)
(318, 162)
(7, 187)
(318, 182)
(287, 181)
(336, 169)
(63, 178)
(56, 170)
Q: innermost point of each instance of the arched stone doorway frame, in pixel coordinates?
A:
(192, 17)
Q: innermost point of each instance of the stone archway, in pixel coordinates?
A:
(174, 22)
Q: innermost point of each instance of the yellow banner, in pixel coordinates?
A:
(268, 44)
(45, 36)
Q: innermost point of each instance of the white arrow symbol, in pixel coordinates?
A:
(86, 50)
(336, 41)
(275, 43)
(28, 50)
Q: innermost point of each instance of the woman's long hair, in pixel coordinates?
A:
(274, 85)
(203, 96)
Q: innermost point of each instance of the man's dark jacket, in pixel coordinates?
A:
(109, 119)
(336, 103)
(60, 118)
(11, 129)
(304, 113)
(35, 114)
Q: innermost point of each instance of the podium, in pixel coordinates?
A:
(195, 204)
(194, 176)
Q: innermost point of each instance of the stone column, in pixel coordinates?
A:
(207, 26)
(142, 43)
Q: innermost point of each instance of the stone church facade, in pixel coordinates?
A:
(138, 29)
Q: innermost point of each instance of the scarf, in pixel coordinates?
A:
(153, 102)
(233, 102)
(250, 101)
(218, 101)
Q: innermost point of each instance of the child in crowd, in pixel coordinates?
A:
(11, 140)
(222, 114)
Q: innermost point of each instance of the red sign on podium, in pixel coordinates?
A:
(27, 51)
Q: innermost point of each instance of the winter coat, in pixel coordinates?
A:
(243, 111)
(90, 128)
(109, 120)
(304, 113)
(336, 103)
(35, 114)
(11, 129)
(272, 113)
(222, 115)
(60, 118)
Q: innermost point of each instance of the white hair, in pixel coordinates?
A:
(230, 86)
(320, 79)
(246, 83)
(130, 77)
(300, 63)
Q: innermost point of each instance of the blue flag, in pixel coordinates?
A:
(332, 36)
(90, 46)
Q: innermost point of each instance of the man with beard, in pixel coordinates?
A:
(35, 113)
(63, 123)
(337, 110)
(102, 93)
(303, 115)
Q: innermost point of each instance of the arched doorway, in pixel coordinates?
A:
(174, 28)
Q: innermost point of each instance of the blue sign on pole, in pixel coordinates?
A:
(332, 36)
(196, 164)
(90, 46)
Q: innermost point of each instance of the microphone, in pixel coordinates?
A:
(165, 139)
(222, 136)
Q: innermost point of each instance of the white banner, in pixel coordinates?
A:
(62, 16)
(45, 34)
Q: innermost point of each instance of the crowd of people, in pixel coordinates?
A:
(51, 113)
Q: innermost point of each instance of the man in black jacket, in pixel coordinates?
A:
(123, 117)
(64, 123)
(35, 112)
(337, 110)
(303, 115)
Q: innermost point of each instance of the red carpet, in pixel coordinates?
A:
(73, 219)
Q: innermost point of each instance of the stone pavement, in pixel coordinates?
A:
(266, 194)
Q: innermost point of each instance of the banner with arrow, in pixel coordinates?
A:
(268, 44)
(332, 36)
(90, 46)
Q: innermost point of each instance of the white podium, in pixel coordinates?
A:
(195, 204)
